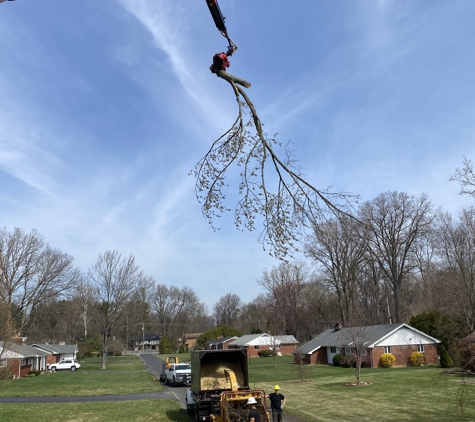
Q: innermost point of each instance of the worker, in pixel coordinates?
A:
(277, 403)
(254, 414)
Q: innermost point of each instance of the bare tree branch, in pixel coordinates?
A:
(466, 178)
(270, 187)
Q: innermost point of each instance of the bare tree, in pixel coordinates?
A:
(31, 271)
(83, 300)
(320, 308)
(358, 339)
(337, 247)
(285, 284)
(7, 331)
(114, 281)
(466, 178)
(172, 308)
(395, 221)
(253, 315)
(456, 246)
(227, 309)
(270, 186)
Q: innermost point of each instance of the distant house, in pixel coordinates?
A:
(398, 339)
(22, 358)
(253, 343)
(57, 352)
(189, 340)
(148, 341)
(220, 344)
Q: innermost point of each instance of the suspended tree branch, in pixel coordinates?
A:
(270, 187)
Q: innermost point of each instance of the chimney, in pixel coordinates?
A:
(338, 326)
(17, 340)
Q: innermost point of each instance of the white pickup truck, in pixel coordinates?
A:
(179, 373)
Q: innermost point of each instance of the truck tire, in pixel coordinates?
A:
(53, 369)
(174, 381)
(73, 368)
(166, 381)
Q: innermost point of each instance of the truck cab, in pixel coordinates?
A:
(179, 373)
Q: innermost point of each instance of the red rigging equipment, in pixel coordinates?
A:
(220, 60)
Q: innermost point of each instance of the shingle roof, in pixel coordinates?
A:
(263, 339)
(344, 336)
(22, 350)
(56, 348)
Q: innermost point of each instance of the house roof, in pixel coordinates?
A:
(56, 349)
(15, 350)
(192, 335)
(371, 335)
(263, 339)
(221, 340)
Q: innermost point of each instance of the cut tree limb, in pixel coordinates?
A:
(231, 78)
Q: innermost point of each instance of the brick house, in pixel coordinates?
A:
(57, 352)
(398, 339)
(253, 343)
(22, 358)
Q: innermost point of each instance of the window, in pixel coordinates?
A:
(420, 348)
(347, 350)
(23, 362)
(332, 349)
(278, 346)
(256, 347)
(3, 363)
(387, 349)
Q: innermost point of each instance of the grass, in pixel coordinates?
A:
(124, 375)
(130, 411)
(397, 394)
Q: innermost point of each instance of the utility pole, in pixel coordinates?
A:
(143, 337)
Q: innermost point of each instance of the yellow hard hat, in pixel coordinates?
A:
(276, 387)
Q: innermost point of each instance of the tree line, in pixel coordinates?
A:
(395, 258)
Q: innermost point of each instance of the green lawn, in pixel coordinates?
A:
(128, 411)
(124, 375)
(397, 394)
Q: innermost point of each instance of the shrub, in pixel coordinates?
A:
(387, 360)
(34, 373)
(416, 359)
(445, 359)
(265, 353)
(337, 359)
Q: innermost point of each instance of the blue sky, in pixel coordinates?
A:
(106, 106)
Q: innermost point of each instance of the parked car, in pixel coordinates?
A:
(71, 364)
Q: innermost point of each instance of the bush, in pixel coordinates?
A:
(387, 360)
(265, 353)
(445, 359)
(34, 373)
(416, 359)
(337, 359)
